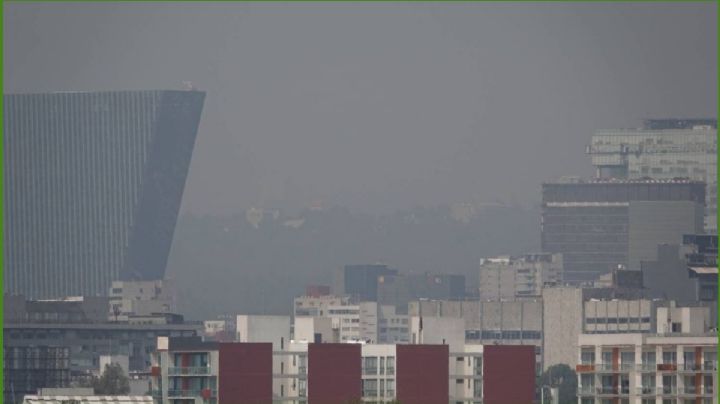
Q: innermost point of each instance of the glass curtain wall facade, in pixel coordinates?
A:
(93, 183)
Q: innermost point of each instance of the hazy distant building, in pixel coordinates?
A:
(524, 276)
(687, 273)
(140, 298)
(662, 149)
(360, 282)
(599, 225)
(399, 290)
(93, 184)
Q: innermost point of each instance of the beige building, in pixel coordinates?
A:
(506, 277)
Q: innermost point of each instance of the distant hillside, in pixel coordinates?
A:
(257, 262)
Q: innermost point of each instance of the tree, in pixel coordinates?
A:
(562, 377)
(113, 381)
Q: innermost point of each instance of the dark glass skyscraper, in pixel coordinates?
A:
(600, 224)
(93, 184)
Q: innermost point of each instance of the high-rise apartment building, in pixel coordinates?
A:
(93, 184)
(600, 225)
(662, 149)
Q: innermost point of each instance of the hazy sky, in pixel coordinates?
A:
(380, 106)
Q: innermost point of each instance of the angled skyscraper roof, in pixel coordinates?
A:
(93, 185)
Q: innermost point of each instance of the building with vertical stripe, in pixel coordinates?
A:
(93, 184)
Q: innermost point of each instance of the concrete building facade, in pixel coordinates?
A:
(600, 225)
(507, 278)
(662, 149)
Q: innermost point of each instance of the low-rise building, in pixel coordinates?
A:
(211, 372)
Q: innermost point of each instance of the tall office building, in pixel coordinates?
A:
(599, 225)
(360, 282)
(93, 184)
(662, 149)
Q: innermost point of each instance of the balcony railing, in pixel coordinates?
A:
(689, 390)
(626, 367)
(646, 367)
(604, 367)
(667, 367)
(586, 390)
(698, 367)
(584, 368)
(190, 393)
(612, 390)
(667, 390)
(646, 390)
(189, 371)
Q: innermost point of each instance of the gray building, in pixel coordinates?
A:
(686, 272)
(399, 290)
(662, 149)
(599, 224)
(93, 184)
(517, 322)
(516, 277)
(360, 282)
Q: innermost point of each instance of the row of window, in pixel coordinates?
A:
(496, 334)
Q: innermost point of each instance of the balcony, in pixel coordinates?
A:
(584, 368)
(666, 367)
(667, 390)
(627, 367)
(689, 390)
(190, 393)
(586, 390)
(646, 390)
(690, 367)
(605, 367)
(189, 371)
(697, 367)
(608, 390)
(646, 367)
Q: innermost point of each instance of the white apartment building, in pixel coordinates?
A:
(647, 369)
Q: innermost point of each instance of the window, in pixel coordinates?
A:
(676, 327)
(390, 387)
(587, 357)
(458, 381)
(648, 358)
(370, 387)
(669, 357)
(370, 365)
(390, 362)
